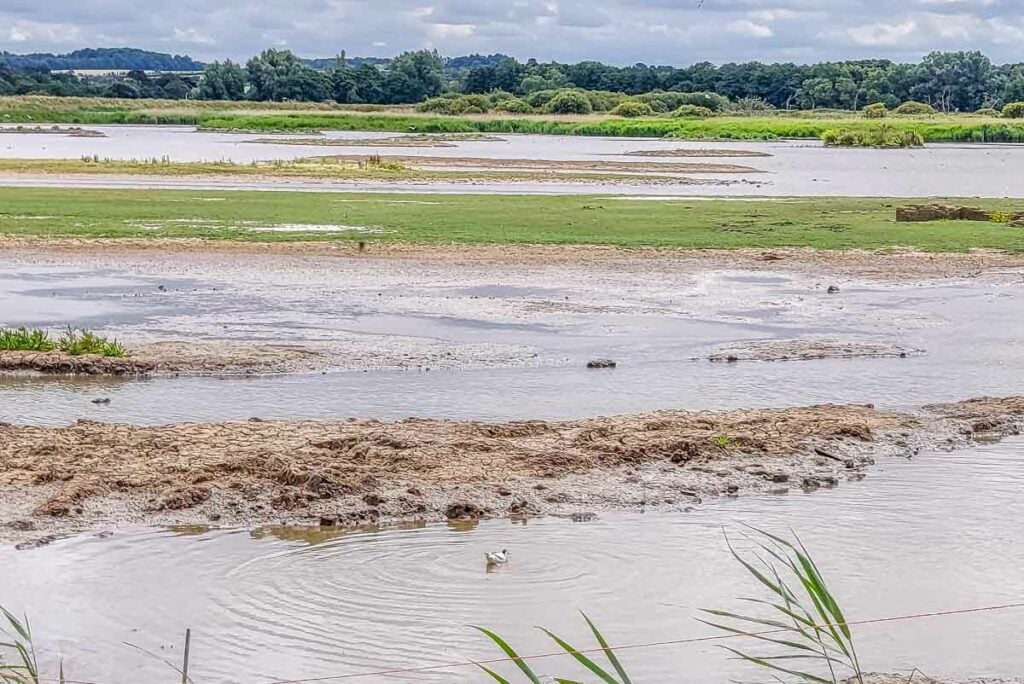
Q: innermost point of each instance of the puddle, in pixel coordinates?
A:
(939, 532)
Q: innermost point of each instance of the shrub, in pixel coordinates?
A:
(883, 136)
(632, 108)
(569, 102)
(689, 111)
(1014, 110)
(513, 106)
(712, 101)
(475, 103)
(750, 106)
(496, 96)
(876, 110)
(662, 103)
(914, 108)
(987, 111)
(441, 105)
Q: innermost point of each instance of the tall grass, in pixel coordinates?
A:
(809, 638)
(620, 676)
(72, 341)
(17, 637)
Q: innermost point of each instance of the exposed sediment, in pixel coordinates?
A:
(91, 474)
(808, 350)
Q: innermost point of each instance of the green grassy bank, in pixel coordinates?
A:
(267, 117)
(826, 223)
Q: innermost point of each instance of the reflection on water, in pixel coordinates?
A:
(940, 532)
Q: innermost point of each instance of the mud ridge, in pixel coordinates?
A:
(92, 475)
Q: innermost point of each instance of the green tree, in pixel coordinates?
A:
(223, 81)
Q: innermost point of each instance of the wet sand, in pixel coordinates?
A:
(92, 475)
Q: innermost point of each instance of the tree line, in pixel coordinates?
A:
(948, 81)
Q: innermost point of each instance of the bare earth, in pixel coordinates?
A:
(93, 475)
(886, 265)
(806, 350)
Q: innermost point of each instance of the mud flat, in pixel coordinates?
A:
(91, 475)
(808, 350)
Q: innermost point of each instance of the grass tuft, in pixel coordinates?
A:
(71, 341)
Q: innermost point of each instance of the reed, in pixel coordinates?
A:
(17, 637)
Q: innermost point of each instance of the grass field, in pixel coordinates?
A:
(829, 223)
(266, 117)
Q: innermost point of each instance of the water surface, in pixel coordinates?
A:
(937, 533)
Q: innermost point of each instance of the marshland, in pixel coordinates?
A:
(282, 373)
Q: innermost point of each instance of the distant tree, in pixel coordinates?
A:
(223, 81)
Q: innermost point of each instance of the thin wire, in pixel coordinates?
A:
(627, 647)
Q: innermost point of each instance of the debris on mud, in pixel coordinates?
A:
(807, 350)
(601, 363)
(951, 212)
(92, 474)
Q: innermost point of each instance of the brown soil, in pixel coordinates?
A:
(696, 153)
(57, 362)
(422, 162)
(90, 474)
(885, 265)
(807, 350)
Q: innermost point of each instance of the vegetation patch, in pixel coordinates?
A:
(71, 341)
(878, 137)
(433, 219)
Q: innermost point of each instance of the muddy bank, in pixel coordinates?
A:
(91, 475)
(236, 358)
(689, 152)
(889, 265)
(404, 141)
(423, 162)
(808, 350)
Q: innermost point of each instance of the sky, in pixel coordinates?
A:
(676, 32)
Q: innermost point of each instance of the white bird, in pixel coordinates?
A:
(497, 557)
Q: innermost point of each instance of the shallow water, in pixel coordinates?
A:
(937, 533)
(552, 319)
(795, 167)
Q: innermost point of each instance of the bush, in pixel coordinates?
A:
(604, 100)
(689, 111)
(712, 101)
(914, 108)
(496, 96)
(513, 106)
(987, 111)
(632, 108)
(569, 102)
(750, 106)
(883, 136)
(876, 110)
(441, 105)
(1014, 110)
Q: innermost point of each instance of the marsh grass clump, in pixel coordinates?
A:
(876, 110)
(23, 339)
(883, 136)
(79, 342)
(71, 341)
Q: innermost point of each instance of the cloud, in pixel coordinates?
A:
(745, 27)
(882, 34)
(615, 31)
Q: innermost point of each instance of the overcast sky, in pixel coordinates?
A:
(675, 32)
